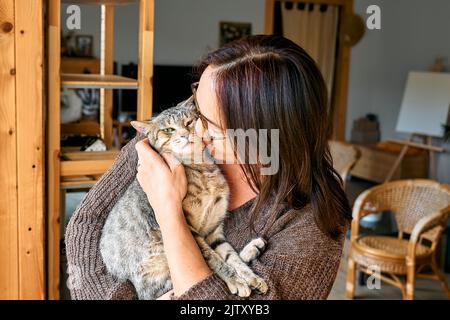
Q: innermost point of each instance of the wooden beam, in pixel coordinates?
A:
(9, 270)
(145, 67)
(85, 167)
(30, 147)
(107, 68)
(53, 150)
(340, 96)
(269, 22)
(328, 2)
(427, 146)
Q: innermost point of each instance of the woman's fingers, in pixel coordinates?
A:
(162, 178)
(147, 156)
(171, 161)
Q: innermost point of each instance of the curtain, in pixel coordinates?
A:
(314, 28)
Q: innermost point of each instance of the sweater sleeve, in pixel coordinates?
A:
(294, 266)
(88, 277)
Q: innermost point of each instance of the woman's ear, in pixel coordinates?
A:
(142, 127)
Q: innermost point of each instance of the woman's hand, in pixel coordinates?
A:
(165, 184)
(163, 180)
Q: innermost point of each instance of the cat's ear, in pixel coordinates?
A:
(142, 127)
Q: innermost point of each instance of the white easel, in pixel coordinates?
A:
(426, 145)
(425, 108)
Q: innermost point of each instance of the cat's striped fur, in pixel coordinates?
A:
(131, 243)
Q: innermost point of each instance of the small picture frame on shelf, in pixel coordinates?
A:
(84, 45)
(230, 31)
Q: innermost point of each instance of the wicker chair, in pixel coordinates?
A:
(344, 158)
(420, 208)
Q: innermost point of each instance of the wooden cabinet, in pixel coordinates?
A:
(375, 164)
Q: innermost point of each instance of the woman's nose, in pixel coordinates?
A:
(201, 132)
(198, 128)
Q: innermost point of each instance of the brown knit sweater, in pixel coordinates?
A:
(300, 262)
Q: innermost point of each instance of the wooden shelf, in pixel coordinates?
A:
(80, 65)
(68, 155)
(84, 167)
(86, 163)
(109, 2)
(97, 81)
(91, 128)
(81, 181)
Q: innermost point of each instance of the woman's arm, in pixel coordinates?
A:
(165, 185)
(300, 263)
(88, 277)
(186, 263)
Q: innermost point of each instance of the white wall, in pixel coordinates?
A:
(413, 33)
(184, 29)
(187, 29)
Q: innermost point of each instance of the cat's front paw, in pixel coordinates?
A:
(252, 250)
(255, 282)
(238, 286)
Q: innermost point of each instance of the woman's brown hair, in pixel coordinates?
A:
(269, 82)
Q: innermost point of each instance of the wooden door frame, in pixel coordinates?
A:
(342, 71)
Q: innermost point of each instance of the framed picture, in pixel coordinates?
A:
(230, 31)
(84, 45)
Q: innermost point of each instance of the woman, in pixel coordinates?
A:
(260, 82)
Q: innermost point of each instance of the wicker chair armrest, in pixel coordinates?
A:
(361, 208)
(346, 170)
(425, 224)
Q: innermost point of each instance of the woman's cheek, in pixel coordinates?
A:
(222, 151)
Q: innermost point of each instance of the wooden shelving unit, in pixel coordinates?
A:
(68, 168)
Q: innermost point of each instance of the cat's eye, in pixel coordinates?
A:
(168, 130)
(189, 123)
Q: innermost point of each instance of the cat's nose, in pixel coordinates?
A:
(180, 142)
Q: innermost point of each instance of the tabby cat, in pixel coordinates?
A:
(131, 243)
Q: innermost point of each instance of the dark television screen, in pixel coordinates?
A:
(171, 85)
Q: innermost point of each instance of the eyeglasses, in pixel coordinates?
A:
(202, 118)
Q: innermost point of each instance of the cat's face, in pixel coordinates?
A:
(173, 130)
